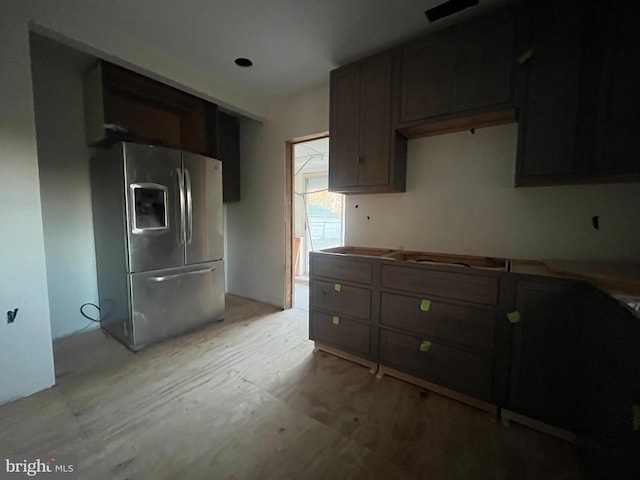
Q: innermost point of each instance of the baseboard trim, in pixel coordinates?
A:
(507, 415)
(372, 366)
(439, 389)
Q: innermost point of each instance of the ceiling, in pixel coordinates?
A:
(293, 43)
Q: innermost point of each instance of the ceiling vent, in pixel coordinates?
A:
(448, 8)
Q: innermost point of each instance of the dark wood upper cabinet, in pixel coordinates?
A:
(123, 105)
(461, 69)
(229, 153)
(566, 72)
(427, 74)
(551, 52)
(344, 139)
(365, 153)
(616, 37)
(580, 106)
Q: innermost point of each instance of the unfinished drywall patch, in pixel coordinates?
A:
(460, 199)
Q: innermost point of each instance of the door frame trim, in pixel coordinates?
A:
(288, 214)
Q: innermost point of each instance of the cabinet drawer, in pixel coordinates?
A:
(341, 268)
(457, 286)
(338, 298)
(437, 363)
(466, 326)
(349, 335)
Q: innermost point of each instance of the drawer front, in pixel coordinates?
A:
(359, 271)
(437, 363)
(341, 332)
(339, 298)
(466, 326)
(457, 286)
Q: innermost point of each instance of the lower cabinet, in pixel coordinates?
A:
(545, 358)
(438, 363)
(609, 412)
(555, 350)
(350, 335)
(340, 301)
(339, 298)
(468, 327)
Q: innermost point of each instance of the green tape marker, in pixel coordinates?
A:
(335, 320)
(513, 317)
(425, 305)
(425, 345)
(525, 56)
(636, 417)
(337, 287)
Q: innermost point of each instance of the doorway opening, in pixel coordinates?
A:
(317, 214)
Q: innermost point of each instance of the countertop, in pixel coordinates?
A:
(618, 278)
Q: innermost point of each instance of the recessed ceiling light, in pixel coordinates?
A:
(243, 62)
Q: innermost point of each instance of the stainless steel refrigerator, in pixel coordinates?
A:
(157, 216)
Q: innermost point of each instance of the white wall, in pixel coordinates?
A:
(25, 346)
(460, 199)
(255, 225)
(65, 189)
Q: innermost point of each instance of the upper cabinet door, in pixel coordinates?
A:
(482, 74)
(427, 74)
(619, 93)
(228, 152)
(365, 153)
(549, 105)
(465, 68)
(375, 121)
(344, 128)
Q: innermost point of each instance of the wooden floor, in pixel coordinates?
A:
(248, 399)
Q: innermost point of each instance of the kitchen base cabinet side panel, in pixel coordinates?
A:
(341, 332)
(456, 369)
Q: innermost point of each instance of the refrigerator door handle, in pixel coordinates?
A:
(181, 202)
(187, 179)
(162, 278)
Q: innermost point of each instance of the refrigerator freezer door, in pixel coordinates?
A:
(203, 226)
(153, 190)
(166, 303)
